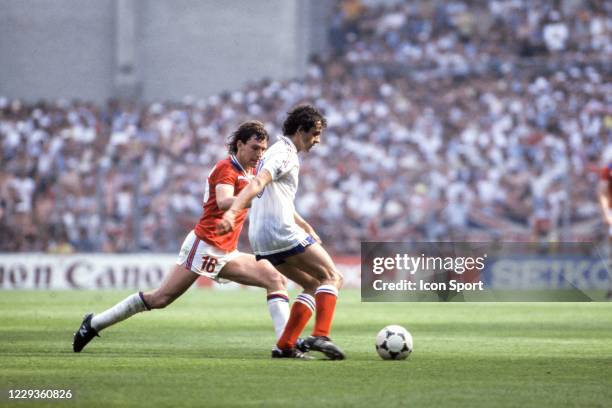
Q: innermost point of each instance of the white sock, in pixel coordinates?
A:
(127, 307)
(278, 305)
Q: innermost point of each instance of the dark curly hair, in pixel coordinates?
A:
(251, 128)
(302, 117)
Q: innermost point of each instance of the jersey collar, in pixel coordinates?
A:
(289, 143)
(237, 164)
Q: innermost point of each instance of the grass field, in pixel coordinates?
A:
(212, 348)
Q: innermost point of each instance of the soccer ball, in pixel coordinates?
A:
(394, 343)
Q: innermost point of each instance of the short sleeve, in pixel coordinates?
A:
(222, 175)
(279, 164)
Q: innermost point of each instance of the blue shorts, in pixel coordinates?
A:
(279, 257)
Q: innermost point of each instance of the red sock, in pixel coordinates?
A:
(325, 296)
(300, 313)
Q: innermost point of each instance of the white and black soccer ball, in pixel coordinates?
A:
(394, 343)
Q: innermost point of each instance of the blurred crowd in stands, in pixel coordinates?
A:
(467, 36)
(461, 120)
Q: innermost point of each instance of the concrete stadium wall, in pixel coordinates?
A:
(199, 47)
(155, 49)
(56, 48)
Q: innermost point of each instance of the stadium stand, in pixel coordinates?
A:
(439, 128)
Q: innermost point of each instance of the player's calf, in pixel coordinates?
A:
(157, 300)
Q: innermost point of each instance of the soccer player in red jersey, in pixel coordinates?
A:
(204, 253)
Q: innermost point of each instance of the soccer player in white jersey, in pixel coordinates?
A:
(278, 234)
(204, 253)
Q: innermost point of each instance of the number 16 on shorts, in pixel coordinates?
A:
(208, 264)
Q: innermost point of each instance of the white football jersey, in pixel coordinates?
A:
(272, 227)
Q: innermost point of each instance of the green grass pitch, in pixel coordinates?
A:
(211, 348)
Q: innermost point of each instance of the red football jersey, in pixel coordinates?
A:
(230, 172)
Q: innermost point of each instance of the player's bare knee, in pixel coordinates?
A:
(332, 277)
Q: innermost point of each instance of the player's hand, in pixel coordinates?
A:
(227, 223)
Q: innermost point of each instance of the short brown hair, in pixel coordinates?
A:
(302, 117)
(248, 129)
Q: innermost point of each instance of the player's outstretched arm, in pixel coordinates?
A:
(243, 200)
(301, 222)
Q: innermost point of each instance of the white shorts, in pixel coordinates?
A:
(204, 259)
(266, 240)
